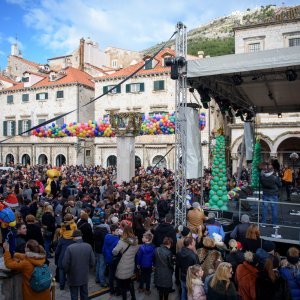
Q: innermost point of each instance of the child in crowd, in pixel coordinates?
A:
(194, 284)
(145, 259)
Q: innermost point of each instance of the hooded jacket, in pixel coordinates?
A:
(186, 258)
(198, 292)
(291, 273)
(126, 266)
(270, 183)
(25, 263)
(67, 229)
(245, 278)
(145, 255)
(164, 230)
(110, 242)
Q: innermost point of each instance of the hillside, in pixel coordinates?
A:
(217, 37)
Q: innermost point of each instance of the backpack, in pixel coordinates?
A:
(41, 278)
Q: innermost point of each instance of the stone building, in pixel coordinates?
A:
(280, 133)
(149, 91)
(40, 97)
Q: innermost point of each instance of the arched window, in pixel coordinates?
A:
(160, 161)
(111, 161)
(138, 162)
(25, 160)
(43, 159)
(60, 160)
(9, 159)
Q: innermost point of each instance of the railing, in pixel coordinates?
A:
(284, 216)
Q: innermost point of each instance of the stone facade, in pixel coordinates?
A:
(280, 136)
(26, 114)
(267, 36)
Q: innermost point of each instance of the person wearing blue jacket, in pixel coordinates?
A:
(213, 226)
(110, 242)
(291, 272)
(145, 260)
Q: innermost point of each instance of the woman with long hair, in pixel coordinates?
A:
(220, 286)
(194, 283)
(35, 255)
(269, 284)
(252, 240)
(138, 227)
(127, 247)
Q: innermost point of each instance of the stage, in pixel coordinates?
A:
(288, 219)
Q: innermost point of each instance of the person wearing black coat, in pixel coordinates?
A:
(48, 222)
(165, 230)
(86, 229)
(55, 187)
(20, 240)
(164, 267)
(33, 230)
(163, 207)
(100, 231)
(269, 284)
(185, 258)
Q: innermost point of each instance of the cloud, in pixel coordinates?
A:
(58, 25)
(12, 40)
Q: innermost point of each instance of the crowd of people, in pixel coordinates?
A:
(126, 233)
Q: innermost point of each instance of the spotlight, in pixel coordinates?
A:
(175, 63)
(280, 115)
(204, 94)
(237, 79)
(291, 75)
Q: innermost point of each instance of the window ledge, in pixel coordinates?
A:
(158, 91)
(59, 99)
(44, 100)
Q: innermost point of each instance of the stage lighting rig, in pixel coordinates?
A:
(176, 63)
(205, 97)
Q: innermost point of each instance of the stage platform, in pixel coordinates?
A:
(288, 219)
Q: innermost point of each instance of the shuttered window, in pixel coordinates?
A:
(42, 96)
(135, 87)
(24, 125)
(159, 85)
(9, 128)
(25, 97)
(59, 94)
(116, 90)
(10, 99)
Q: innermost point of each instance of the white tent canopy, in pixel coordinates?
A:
(268, 81)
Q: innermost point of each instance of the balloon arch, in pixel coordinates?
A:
(155, 124)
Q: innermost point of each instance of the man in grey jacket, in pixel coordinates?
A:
(76, 262)
(270, 185)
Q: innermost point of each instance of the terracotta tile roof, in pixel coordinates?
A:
(36, 73)
(4, 78)
(31, 63)
(158, 68)
(72, 76)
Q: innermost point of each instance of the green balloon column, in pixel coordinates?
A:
(255, 163)
(218, 193)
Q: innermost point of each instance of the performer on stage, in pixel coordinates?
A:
(270, 184)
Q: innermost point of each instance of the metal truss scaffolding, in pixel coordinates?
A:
(180, 127)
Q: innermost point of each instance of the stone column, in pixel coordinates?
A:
(125, 157)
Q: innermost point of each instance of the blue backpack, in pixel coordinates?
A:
(41, 278)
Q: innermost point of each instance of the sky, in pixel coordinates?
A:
(49, 28)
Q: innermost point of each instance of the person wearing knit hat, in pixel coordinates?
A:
(291, 272)
(114, 220)
(10, 199)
